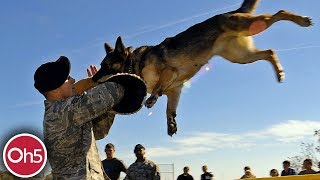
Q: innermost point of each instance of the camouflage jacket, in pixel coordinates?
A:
(146, 170)
(70, 127)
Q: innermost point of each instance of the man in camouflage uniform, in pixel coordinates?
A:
(73, 122)
(142, 168)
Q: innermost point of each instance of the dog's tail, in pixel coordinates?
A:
(248, 6)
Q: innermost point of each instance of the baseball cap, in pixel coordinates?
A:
(138, 147)
(51, 75)
(109, 145)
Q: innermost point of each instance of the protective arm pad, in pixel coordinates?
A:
(135, 91)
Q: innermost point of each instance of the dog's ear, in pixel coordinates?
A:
(119, 46)
(108, 48)
(130, 49)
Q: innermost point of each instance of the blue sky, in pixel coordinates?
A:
(229, 116)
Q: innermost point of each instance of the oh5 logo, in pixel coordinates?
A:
(24, 155)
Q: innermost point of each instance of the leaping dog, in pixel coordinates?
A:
(166, 66)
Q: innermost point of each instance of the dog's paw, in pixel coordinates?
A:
(281, 76)
(172, 126)
(306, 22)
(151, 101)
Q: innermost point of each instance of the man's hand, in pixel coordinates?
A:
(92, 70)
(85, 84)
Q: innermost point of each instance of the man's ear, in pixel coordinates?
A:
(119, 46)
(108, 48)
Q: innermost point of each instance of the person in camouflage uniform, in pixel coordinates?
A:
(142, 168)
(72, 122)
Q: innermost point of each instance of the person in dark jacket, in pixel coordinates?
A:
(112, 165)
(185, 175)
(287, 170)
(206, 174)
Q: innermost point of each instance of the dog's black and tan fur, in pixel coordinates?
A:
(165, 67)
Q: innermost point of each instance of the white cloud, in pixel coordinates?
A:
(200, 143)
(291, 131)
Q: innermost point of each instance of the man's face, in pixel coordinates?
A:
(186, 170)
(307, 165)
(204, 168)
(109, 152)
(274, 174)
(286, 166)
(139, 153)
(67, 88)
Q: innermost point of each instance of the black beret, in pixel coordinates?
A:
(51, 75)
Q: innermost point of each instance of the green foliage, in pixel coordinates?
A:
(308, 150)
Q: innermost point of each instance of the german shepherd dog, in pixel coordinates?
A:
(166, 66)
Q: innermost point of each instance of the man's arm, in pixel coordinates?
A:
(126, 178)
(87, 83)
(84, 84)
(128, 174)
(95, 102)
(156, 173)
(123, 167)
(178, 177)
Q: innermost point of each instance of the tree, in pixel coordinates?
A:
(308, 150)
(317, 133)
